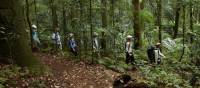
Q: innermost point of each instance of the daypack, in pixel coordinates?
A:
(151, 53)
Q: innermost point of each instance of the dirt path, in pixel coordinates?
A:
(71, 74)
(67, 73)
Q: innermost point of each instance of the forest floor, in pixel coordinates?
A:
(68, 73)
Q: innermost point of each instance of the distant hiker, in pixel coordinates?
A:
(57, 44)
(36, 41)
(96, 44)
(154, 54)
(72, 44)
(158, 54)
(129, 50)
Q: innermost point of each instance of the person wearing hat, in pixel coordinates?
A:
(129, 50)
(36, 40)
(56, 39)
(72, 44)
(96, 44)
(158, 53)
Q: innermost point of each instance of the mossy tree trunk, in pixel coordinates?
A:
(21, 46)
(137, 25)
(54, 15)
(177, 18)
(104, 19)
(29, 23)
(191, 19)
(159, 21)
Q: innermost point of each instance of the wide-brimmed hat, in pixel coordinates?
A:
(71, 34)
(158, 43)
(34, 26)
(95, 34)
(129, 37)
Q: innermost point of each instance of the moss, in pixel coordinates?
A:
(21, 45)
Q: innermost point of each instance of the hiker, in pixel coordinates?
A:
(158, 53)
(129, 50)
(154, 53)
(36, 41)
(57, 44)
(96, 44)
(72, 44)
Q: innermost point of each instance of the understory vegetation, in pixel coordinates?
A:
(175, 24)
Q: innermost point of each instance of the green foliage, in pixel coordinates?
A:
(116, 65)
(158, 77)
(10, 71)
(146, 16)
(38, 84)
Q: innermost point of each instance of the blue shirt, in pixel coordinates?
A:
(72, 43)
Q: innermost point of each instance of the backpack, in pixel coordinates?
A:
(151, 53)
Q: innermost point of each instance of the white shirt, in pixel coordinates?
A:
(96, 44)
(56, 38)
(129, 47)
(158, 54)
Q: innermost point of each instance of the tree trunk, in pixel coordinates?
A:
(177, 18)
(54, 15)
(191, 20)
(104, 15)
(29, 23)
(137, 27)
(36, 17)
(21, 49)
(184, 27)
(64, 20)
(159, 16)
(91, 30)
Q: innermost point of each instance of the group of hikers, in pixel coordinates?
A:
(153, 52)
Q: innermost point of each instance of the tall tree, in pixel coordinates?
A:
(104, 20)
(191, 19)
(184, 27)
(91, 29)
(36, 17)
(21, 49)
(54, 14)
(29, 22)
(137, 26)
(104, 15)
(159, 21)
(177, 18)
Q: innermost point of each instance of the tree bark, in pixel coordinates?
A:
(21, 49)
(137, 26)
(64, 19)
(29, 23)
(104, 19)
(159, 17)
(191, 20)
(54, 15)
(177, 18)
(104, 15)
(91, 30)
(36, 17)
(184, 27)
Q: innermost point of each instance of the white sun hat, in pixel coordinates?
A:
(34, 26)
(158, 43)
(129, 37)
(71, 34)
